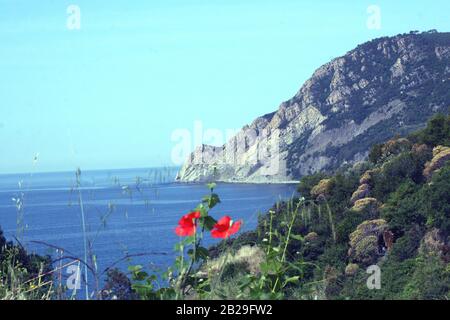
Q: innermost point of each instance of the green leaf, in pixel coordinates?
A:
(211, 200)
(137, 273)
(276, 249)
(179, 246)
(189, 240)
(297, 237)
(135, 268)
(271, 267)
(202, 253)
(203, 210)
(211, 186)
(140, 276)
(208, 222)
(291, 280)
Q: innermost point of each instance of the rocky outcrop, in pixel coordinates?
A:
(441, 155)
(384, 87)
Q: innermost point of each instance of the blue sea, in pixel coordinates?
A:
(130, 214)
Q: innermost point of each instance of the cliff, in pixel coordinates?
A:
(384, 87)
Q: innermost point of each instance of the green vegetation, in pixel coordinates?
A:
(392, 211)
(22, 275)
(409, 241)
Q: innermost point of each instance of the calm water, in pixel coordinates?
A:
(129, 212)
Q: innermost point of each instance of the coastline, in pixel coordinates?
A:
(241, 182)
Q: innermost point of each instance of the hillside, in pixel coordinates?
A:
(390, 213)
(384, 87)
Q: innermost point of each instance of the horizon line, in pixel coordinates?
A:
(90, 170)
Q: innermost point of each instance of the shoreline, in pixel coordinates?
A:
(241, 182)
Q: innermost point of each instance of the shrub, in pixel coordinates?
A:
(430, 280)
(406, 166)
(309, 182)
(118, 286)
(376, 153)
(407, 246)
(436, 133)
(433, 200)
(402, 210)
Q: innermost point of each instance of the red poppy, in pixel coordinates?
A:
(187, 224)
(225, 227)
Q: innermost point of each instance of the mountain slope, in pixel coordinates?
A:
(384, 87)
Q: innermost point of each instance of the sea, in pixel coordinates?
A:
(129, 214)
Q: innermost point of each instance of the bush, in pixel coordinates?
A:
(375, 153)
(404, 167)
(434, 202)
(430, 280)
(407, 246)
(436, 133)
(347, 225)
(402, 210)
(309, 182)
(118, 286)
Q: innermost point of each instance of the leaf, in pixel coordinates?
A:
(297, 237)
(137, 273)
(211, 186)
(140, 276)
(211, 200)
(179, 246)
(291, 280)
(271, 267)
(202, 253)
(135, 268)
(188, 240)
(245, 283)
(208, 222)
(203, 210)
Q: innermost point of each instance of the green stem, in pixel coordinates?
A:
(288, 237)
(330, 217)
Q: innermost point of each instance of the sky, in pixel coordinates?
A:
(113, 92)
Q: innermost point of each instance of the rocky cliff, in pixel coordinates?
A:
(384, 87)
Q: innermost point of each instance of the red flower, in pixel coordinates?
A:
(187, 224)
(225, 227)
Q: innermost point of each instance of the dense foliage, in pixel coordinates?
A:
(23, 275)
(412, 251)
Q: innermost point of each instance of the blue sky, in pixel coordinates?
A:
(110, 94)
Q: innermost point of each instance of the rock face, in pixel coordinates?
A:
(384, 87)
